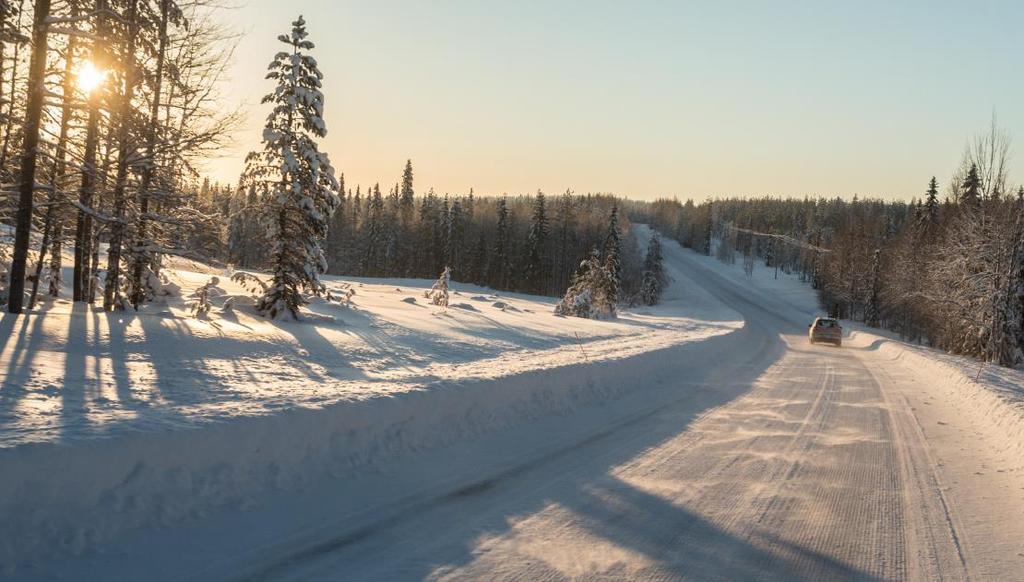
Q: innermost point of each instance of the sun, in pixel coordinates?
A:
(89, 77)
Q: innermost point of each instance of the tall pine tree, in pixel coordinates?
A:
(498, 266)
(971, 188)
(536, 271)
(296, 179)
(612, 255)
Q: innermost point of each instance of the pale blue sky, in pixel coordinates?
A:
(649, 98)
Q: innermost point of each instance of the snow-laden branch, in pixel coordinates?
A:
(96, 214)
(77, 33)
(86, 17)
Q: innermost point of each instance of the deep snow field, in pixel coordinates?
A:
(72, 373)
(113, 421)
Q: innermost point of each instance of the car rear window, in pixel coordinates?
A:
(826, 323)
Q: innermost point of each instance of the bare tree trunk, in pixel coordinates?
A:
(52, 222)
(84, 235)
(111, 294)
(33, 115)
(83, 229)
(141, 257)
(9, 124)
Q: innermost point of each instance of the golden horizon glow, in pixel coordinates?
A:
(89, 77)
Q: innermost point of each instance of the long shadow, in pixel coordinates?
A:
(578, 476)
(682, 544)
(75, 386)
(570, 475)
(182, 377)
(11, 389)
(21, 365)
(116, 323)
(318, 350)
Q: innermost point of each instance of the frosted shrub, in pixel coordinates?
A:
(201, 305)
(438, 293)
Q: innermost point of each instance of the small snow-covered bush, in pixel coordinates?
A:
(438, 293)
(202, 304)
(343, 295)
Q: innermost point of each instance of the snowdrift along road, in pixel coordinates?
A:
(116, 423)
(745, 455)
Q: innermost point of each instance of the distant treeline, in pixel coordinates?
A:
(948, 272)
(530, 244)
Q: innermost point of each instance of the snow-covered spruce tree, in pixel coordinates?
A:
(296, 180)
(654, 277)
(587, 295)
(929, 217)
(535, 263)
(971, 188)
(498, 266)
(579, 297)
(609, 293)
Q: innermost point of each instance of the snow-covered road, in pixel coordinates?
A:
(777, 460)
(792, 462)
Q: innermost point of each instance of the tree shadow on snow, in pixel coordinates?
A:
(676, 542)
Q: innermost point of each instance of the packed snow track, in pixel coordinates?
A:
(781, 461)
(817, 469)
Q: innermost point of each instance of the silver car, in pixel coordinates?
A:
(826, 329)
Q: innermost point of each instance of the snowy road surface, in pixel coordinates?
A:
(782, 461)
(796, 462)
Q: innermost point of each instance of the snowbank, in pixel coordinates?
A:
(67, 498)
(990, 398)
(114, 422)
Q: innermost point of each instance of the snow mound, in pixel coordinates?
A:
(111, 422)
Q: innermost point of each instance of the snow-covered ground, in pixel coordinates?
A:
(72, 373)
(110, 422)
(701, 439)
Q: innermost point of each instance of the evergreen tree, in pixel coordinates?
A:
(612, 254)
(930, 214)
(374, 237)
(297, 181)
(564, 235)
(971, 188)
(579, 297)
(338, 235)
(654, 277)
(406, 195)
(428, 252)
(247, 243)
(456, 238)
(478, 261)
(498, 266)
(535, 271)
(406, 248)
